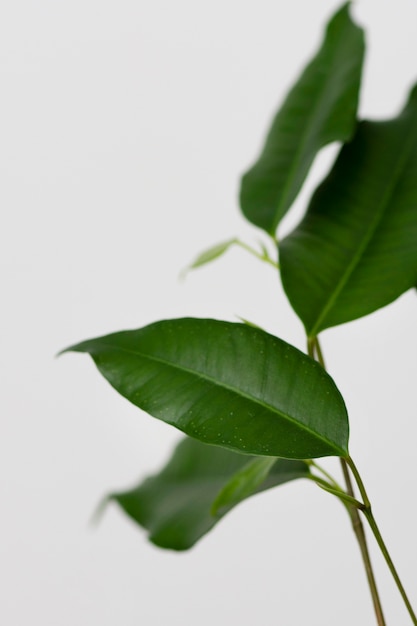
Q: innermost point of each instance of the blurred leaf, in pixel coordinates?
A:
(245, 482)
(211, 254)
(227, 384)
(319, 109)
(356, 249)
(175, 505)
(248, 322)
(218, 250)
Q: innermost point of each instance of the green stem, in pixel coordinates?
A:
(377, 534)
(262, 257)
(339, 493)
(359, 480)
(325, 473)
(314, 350)
(359, 531)
(319, 353)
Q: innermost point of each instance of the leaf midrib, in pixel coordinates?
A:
(237, 392)
(367, 237)
(325, 83)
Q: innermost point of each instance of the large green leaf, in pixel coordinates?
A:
(175, 506)
(356, 249)
(319, 109)
(227, 384)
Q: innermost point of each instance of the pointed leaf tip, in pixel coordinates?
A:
(319, 109)
(227, 384)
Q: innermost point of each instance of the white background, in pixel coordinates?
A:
(124, 129)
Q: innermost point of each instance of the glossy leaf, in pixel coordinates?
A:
(356, 249)
(175, 505)
(320, 109)
(227, 384)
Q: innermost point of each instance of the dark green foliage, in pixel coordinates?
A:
(227, 384)
(248, 394)
(319, 109)
(356, 249)
(176, 505)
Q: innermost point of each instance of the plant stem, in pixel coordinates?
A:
(367, 511)
(262, 257)
(314, 350)
(311, 342)
(344, 497)
(319, 353)
(359, 531)
(325, 473)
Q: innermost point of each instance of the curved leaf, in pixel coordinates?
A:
(175, 505)
(227, 384)
(356, 249)
(320, 109)
(245, 482)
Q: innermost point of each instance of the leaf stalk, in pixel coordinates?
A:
(264, 256)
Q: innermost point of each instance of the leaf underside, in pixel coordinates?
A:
(356, 249)
(319, 109)
(175, 506)
(227, 384)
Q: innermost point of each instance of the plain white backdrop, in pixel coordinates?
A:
(124, 129)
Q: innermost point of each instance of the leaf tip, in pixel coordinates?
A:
(99, 511)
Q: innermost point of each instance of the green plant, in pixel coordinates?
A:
(266, 409)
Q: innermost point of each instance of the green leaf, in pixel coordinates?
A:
(248, 322)
(245, 482)
(319, 109)
(356, 249)
(227, 384)
(212, 253)
(175, 505)
(218, 250)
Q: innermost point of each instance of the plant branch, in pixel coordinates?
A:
(319, 353)
(359, 531)
(262, 257)
(325, 473)
(314, 350)
(367, 511)
(339, 493)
